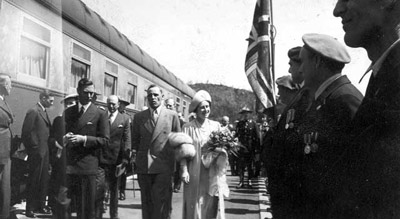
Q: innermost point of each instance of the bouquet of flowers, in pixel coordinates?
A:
(224, 140)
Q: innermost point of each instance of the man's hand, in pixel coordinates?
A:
(185, 177)
(77, 139)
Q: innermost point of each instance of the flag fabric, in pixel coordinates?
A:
(258, 57)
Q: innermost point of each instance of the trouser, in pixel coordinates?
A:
(83, 187)
(5, 188)
(112, 187)
(156, 195)
(38, 181)
(177, 177)
(245, 161)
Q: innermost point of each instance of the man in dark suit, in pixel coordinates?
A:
(87, 131)
(35, 136)
(6, 119)
(155, 158)
(116, 154)
(58, 193)
(371, 166)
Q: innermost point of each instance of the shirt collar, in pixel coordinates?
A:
(375, 67)
(113, 114)
(326, 83)
(1, 97)
(41, 106)
(85, 107)
(158, 109)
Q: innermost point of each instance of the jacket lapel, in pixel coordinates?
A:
(159, 124)
(87, 116)
(148, 124)
(116, 123)
(43, 114)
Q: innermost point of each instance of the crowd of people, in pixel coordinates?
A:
(328, 151)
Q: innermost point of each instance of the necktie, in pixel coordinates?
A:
(155, 116)
(110, 118)
(81, 111)
(47, 116)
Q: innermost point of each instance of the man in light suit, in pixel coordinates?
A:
(6, 119)
(35, 136)
(155, 158)
(117, 151)
(87, 131)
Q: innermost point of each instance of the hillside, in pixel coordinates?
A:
(226, 100)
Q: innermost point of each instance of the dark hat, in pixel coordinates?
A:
(245, 110)
(294, 53)
(326, 46)
(69, 96)
(286, 82)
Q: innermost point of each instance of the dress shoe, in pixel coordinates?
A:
(176, 190)
(30, 214)
(249, 185)
(240, 185)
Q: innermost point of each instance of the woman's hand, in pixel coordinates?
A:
(185, 177)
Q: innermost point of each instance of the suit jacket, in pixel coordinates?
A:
(120, 141)
(83, 159)
(36, 131)
(6, 119)
(154, 140)
(370, 169)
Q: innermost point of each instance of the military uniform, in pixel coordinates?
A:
(247, 135)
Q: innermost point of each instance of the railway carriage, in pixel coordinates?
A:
(54, 43)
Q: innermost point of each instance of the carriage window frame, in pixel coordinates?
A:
(82, 60)
(41, 38)
(113, 74)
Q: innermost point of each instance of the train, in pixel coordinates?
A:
(52, 44)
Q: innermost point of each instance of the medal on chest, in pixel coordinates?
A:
(310, 142)
(289, 118)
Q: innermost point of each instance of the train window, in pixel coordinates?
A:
(111, 67)
(80, 64)
(184, 108)
(81, 52)
(178, 103)
(131, 93)
(79, 70)
(33, 58)
(34, 51)
(110, 85)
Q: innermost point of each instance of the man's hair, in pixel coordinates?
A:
(154, 85)
(84, 82)
(46, 94)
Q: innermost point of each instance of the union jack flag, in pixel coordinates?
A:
(258, 58)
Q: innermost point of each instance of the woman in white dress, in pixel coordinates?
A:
(204, 175)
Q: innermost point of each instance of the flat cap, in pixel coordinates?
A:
(286, 82)
(199, 97)
(326, 46)
(294, 53)
(245, 110)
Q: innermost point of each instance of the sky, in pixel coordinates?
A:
(205, 40)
